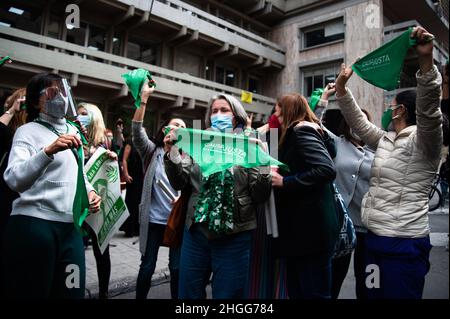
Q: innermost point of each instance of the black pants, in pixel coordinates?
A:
(341, 265)
(339, 269)
(42, 259)
(103, 262)
(359, 265)
(309, 277)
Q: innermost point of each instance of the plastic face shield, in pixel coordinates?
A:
(62, 87)
(71, 110)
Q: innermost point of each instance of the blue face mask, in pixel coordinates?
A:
(85, 120)
(222, 122)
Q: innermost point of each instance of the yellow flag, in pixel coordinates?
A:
(246, 97)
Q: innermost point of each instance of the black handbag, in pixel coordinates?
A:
(346, 241)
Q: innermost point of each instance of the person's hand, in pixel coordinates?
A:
(94, 202)
(112, 155)
(424, 41)
(171, 137)
(15, 108)
(249, 121)
(329, 90)
(341, 81)
(146, 92)
(277, 179)
(128, 179)
(62, 143)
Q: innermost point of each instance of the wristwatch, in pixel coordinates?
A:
(10, 113)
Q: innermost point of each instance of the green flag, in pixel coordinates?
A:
(135, 81)
(81, 201)
(383, 66)
(5, 59)
(315, 98)
(215, 151)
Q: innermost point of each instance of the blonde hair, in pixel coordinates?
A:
(96, 129)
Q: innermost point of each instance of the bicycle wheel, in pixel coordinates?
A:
(435, 198)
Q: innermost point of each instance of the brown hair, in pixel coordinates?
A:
(294, 108)
(20, 117)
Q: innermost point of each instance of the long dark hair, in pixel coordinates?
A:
(408, 99)
(33, 93)
(158, 139)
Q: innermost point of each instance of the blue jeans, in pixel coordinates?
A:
(228, 258)
(402, 263)
(148, 263)
(309, 277)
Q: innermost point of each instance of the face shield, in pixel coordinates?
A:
(62, 87)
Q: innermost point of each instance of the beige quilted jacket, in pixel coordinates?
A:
(396, 204)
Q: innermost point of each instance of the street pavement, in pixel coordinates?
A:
(125, 260)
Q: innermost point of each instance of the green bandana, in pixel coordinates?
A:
(215, 202)
(383, 66)
(315, 98)
(135, 81)
(6, 58)
(215, 151)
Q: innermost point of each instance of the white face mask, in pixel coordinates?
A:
(57, 107)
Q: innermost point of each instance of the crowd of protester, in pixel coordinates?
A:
(384, 176)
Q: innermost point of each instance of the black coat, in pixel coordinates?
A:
(307, 220)
(7, 196)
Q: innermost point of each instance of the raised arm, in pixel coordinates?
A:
(143, 144)
(367, 131)
(428, 112)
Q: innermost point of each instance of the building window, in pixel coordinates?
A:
(209, 70)
(141, 51)
(254, 85)
(20, 16)
(77, 35)
(323, 33)
(117, 44)
(318, 77)
(97, 38)
(225, 75)
(53, 27)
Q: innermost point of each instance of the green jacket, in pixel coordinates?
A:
(252, 187)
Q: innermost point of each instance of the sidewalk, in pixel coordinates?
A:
(125, 261)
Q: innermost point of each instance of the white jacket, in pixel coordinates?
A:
(402, 172)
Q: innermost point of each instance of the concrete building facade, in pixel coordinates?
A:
(198, 48)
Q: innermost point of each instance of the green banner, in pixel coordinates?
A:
(383, 66)
(215, 151)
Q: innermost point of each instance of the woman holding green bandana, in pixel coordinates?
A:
(221, 212)
(155, 206)
(407, 155)
(44, 255)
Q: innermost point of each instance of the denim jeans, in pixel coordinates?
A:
(309, 277)
(228, 259)
(148, 263)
